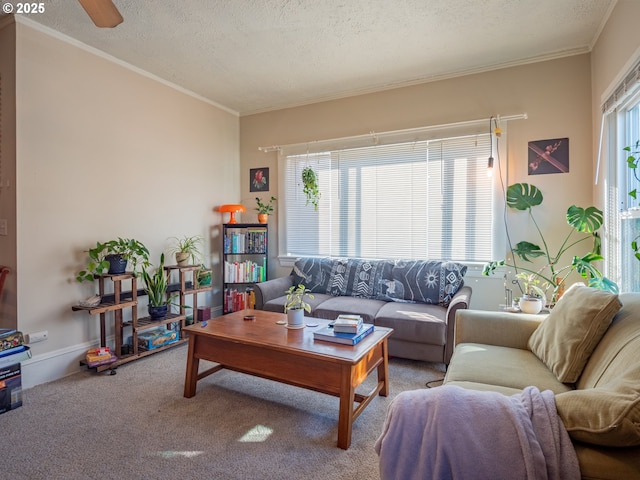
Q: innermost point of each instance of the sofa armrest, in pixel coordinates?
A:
(271, 289)
(460, 301)
(503, 329)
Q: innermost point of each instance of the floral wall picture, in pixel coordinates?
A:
(259, 178)
(549, 156)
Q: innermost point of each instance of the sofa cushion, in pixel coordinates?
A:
(339, 276)
(277, 304)
(426, 281)
(502, 367)
(567, 337)
(334, 306)
(608, 416)
(414, 322)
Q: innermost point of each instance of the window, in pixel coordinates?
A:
(427, 199)
(622, 211)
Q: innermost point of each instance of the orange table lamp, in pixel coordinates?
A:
(232, 208)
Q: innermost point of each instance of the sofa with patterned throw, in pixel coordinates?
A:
(417, 298)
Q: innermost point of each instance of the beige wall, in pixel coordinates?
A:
(105, 152)
(8, 307)
(556, 95)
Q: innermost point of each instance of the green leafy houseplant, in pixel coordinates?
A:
(310, 187)
(156, 284)
(187, 249)
(530, 282)
(583, 224)
(203, 276)
(632, 163)
(130, 250)
(265, 208)
(295, 298)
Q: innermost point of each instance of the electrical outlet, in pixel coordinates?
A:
(3, 227)
(36, 337)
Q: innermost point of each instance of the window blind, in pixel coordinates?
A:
(427, 199)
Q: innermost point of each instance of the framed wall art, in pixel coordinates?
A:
(548, 156)
(259, 178)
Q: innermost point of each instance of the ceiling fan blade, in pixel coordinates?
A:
(103, 12)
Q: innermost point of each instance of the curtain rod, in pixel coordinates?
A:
(273, 148)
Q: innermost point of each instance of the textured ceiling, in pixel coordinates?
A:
(259, 55)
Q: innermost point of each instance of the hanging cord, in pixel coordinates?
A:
(494, 130)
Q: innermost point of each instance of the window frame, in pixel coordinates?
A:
(500, 176)
(620, 208)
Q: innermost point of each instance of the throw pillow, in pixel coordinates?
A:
(566, 338)
(608, 416)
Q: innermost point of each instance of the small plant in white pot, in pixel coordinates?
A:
(296, 306)
(533, 297)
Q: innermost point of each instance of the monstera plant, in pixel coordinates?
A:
(633, 152)
(583, 226)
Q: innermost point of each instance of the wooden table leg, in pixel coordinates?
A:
(383, 370)
(345, 414)
(193, 363)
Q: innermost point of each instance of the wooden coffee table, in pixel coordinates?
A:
(265, 349)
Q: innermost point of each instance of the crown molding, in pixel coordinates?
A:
(83, 46)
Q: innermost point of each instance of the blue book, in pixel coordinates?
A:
(328, 335)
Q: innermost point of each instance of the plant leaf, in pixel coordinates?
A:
(584, 267)
(527, 249)
(585, 221)
(523, 196)
(490, 268)
(603, 283)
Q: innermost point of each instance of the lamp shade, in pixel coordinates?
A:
(232, 208)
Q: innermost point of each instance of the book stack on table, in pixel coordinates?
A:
(347, 329)
(347, 323)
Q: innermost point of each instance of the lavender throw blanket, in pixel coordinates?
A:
(450, 432)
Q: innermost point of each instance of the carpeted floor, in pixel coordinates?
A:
(137, 424)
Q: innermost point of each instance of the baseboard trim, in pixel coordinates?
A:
(51, 366)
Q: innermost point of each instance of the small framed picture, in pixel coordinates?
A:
(548, 156)
(259, 178)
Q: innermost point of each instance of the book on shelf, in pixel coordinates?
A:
(347, 323)
(243, 241)
(327, 334)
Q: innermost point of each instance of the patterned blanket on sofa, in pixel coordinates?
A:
(425, 281)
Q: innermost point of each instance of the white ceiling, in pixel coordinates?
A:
(257, 55)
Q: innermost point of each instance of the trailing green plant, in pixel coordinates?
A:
(129, 249)
(155, 285)
(632, 162)
(295, 298)
(265, 208)
(583, 223)
(310, 187)
(189, 246)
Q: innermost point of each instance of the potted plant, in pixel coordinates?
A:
(155, 285)
(583, 223)
(203, 276)
(296, 306)
(532, 296)
(264, 209)
(112, 257)
(187, 250)
(310, 187)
